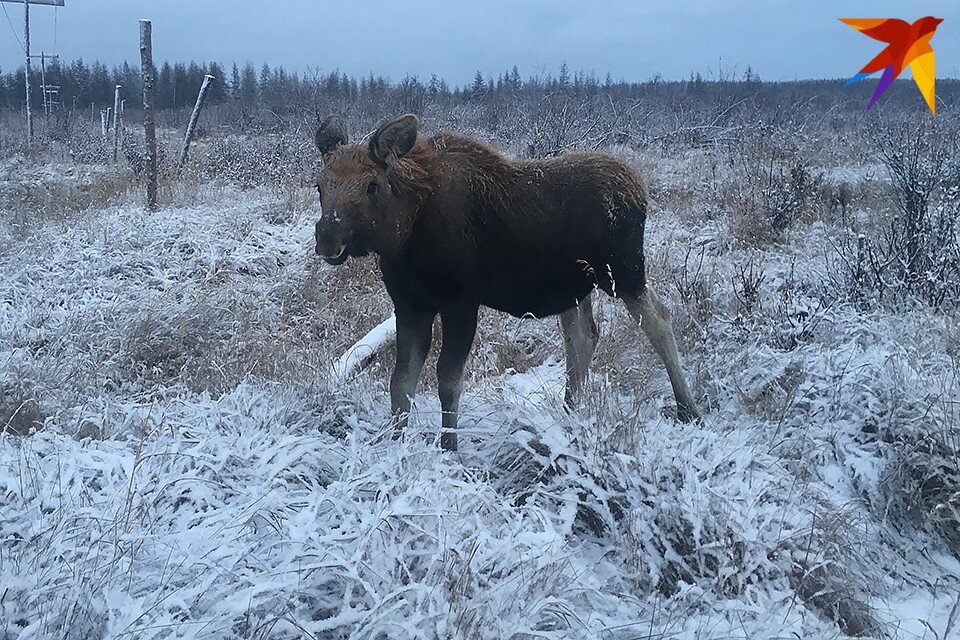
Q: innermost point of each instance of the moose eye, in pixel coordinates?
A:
(372, 188)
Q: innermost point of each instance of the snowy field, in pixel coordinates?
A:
(176, 461)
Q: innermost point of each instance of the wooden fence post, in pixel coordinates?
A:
(123, 106)
(149, 110)
(116, 122)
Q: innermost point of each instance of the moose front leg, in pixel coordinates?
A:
(414, 335)
(459, 328)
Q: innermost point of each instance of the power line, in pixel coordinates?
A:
(11, 25)
(26, 48)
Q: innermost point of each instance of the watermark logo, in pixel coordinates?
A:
(907, 44)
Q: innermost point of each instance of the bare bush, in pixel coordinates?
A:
(914, 252)
(769, 187)
(562, 122)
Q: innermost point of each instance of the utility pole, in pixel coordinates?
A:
(43, 89)
(26, 47)
(51, 92)
(43, 81)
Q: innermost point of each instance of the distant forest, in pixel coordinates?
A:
(82, 85)
(274, 91)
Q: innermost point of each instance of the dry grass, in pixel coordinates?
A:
(20, 411)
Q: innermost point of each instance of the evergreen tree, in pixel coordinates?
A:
(132, 83)
(192, 82)
(235, 83)
(163, 88)
(101, 85)
(266, 85)
(217, 92)
(479, 85)
(180, 95)
(564, 80)
(79, 75)
(516, 84)
(248, 86)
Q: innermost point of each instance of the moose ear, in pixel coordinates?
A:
(394, 138)
(330, 135)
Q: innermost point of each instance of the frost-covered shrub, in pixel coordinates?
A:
(86, 145)
(911, 253)
(695, 281)
(250, 161)
(770, 185)
(562, 122)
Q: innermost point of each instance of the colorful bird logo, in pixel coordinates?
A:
(907, 44)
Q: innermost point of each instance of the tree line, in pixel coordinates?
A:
(84, 86)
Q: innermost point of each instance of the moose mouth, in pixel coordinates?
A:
(338, 259)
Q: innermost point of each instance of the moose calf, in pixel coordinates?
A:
(458, 225)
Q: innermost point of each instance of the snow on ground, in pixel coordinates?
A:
(191, 470)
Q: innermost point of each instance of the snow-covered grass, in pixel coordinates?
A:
(177, 461)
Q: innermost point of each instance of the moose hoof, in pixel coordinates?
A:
(571, 401)
(398, 424)
(448, 441)
(688, 413)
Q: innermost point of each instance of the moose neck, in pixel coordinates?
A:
(392, 238)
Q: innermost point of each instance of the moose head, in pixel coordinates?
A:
(369, 193)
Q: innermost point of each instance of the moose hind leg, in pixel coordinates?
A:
(654, 318)
(580, 335)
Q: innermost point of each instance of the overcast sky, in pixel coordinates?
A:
(631, 39)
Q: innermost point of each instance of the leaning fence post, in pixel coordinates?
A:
(149, 111)
(194, 117)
